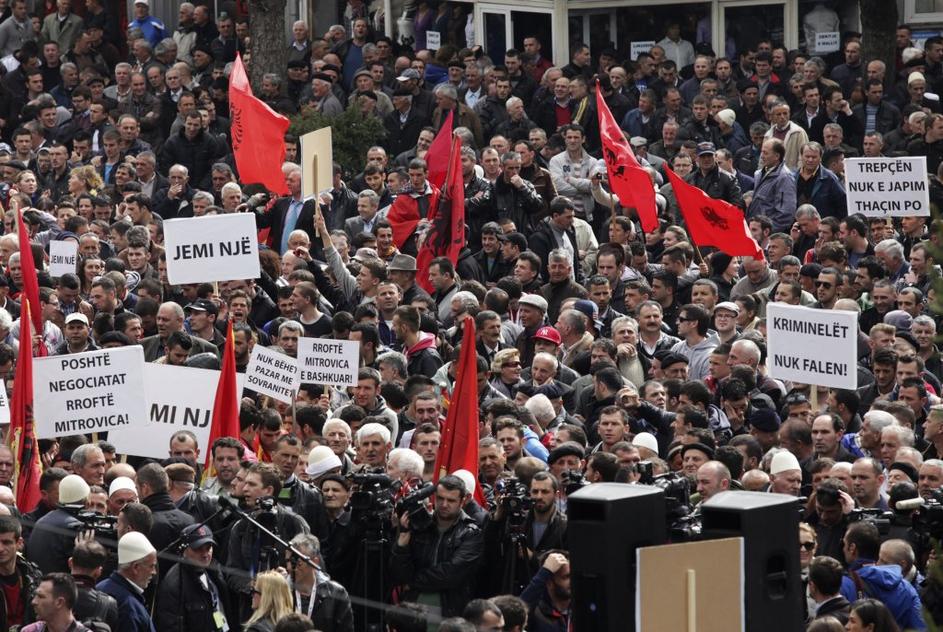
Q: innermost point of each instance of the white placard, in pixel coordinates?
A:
(95, 391)
(211, 248)
(812, 346)
(62, 256)
(4, 404)
(637, 48)
(888, 187)
(329, 362)
(272, 373)
(433, 40)
(178, 398)
(827, 42)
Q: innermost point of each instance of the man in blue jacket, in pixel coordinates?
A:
(137, 565)
(861, 545)
(818, 186)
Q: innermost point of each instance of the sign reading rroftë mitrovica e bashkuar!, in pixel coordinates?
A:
(328, 362)
(812, 346)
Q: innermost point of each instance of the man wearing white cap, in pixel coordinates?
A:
(121, 492)
(137, 565)
(53, 537)
(321, 462)
(785, 473)
(77, 338)
(647, 445)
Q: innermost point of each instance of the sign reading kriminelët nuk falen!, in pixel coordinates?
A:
(812, 346)
(888, 187)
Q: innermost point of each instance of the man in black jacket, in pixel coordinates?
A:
(193, 594)
(193, 148)
(300, 497)
(53, 538)
(153, 490)
(86, 564)
(440, 560)
(419, 347)
(330, 610)
(16, 575)
(246, 542)
(710, 179)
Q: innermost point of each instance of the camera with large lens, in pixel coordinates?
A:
(927, 520)
(573, 481)
(258, 201)
(515, 500)
(684, 524)
(878, 517)
(415, 506)
(99, 524)
(372, 502)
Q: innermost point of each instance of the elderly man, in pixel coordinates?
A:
(446, 99)
(774, 190)
(170, 317)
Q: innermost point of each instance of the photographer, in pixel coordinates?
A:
(53, 538)
(249, 548)
(536, 518)
(438, 563)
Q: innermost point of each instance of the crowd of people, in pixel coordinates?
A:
(604, 353)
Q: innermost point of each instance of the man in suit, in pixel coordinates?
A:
(170, 319)
(368, 203)
(288, 214)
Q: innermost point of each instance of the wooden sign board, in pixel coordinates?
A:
(691, 587)
(317, 162)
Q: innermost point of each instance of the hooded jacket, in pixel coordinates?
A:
(887, 585)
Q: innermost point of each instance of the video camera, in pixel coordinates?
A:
(927, 520)
(415, 506)
(99, 524)
(684, 524)
(515, 500)
(372, 503)
(878, 517)
(573, 481)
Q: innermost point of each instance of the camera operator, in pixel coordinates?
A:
(193, 594)
(246, 542)
(303, 499)
(86, 564)
(533, 521)
(326, 602)
(53, 538)
(439, 563)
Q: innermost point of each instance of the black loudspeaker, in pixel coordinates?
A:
(769, 525)
(607, 522)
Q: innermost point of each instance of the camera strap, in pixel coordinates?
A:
(861, 587)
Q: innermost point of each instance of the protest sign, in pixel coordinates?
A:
(812, 346)
(702, 582)
(433, 40)
(317, 162)
(329, 362)
(211, 248)
(827, 42)
(89, 392)
(272, 373)
(177, 398)
(637, 48)
(4, 404)
(888, 187)
(62, 256)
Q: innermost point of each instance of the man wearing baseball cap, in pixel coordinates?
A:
(203, 314)
(709, 178)
(194, 595)
(137, 565)
(77, 338)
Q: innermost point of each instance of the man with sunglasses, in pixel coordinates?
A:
(826, 289)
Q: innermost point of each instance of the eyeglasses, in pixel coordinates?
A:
(807, 546)
(824, 284)
(682, 319)
(511, 365)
